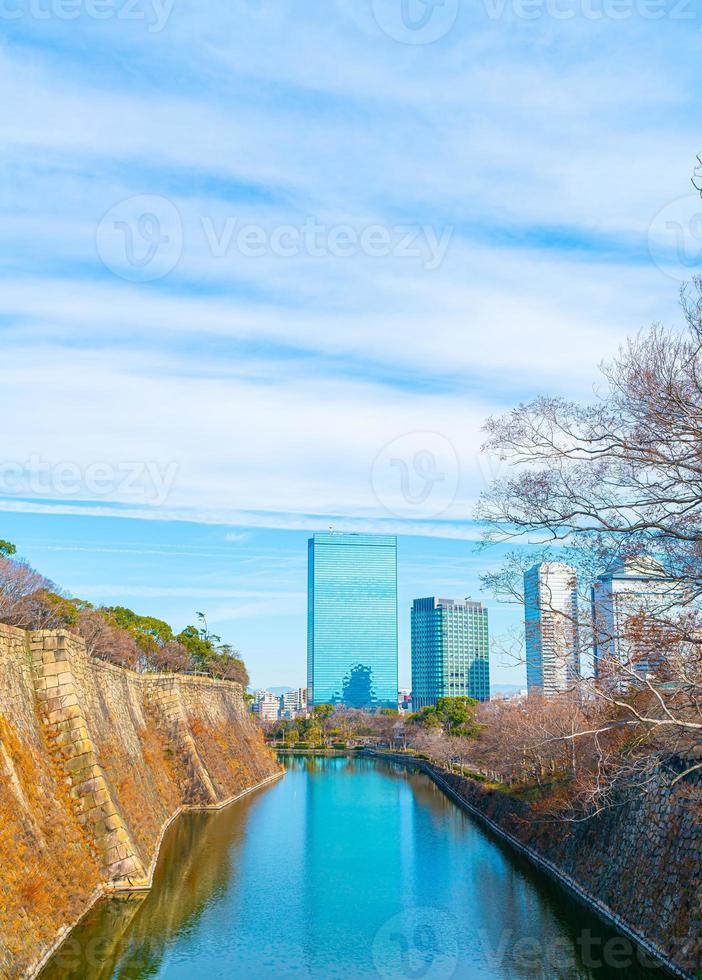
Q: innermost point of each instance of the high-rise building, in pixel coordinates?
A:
(551, 627)
(352, 620)
(627, 595)
(450, 651)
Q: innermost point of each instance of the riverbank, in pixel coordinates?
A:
(106, 890)
(632, 866)
(282, 750)
(98, 761)
(379, 866)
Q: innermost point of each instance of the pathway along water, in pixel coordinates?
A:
(348, 868)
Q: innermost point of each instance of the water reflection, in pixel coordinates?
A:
(127, 936)
(348, 868)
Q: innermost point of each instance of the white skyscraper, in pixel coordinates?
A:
(551, 627)
(624, 597)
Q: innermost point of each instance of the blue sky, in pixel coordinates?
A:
(266, 267)
(251, 583)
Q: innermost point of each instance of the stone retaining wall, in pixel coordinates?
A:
(638, 865)
(94, 762)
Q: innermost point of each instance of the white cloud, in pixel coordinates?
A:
(271, 383)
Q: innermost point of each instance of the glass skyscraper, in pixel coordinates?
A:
(352, 620)
(450, 651)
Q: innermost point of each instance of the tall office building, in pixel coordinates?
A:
(352, 620)
(551, 627)
(624, 597)
(450, 651)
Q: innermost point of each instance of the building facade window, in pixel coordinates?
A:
(352, 620)
(450, 650)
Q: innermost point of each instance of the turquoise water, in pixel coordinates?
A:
(346, 868)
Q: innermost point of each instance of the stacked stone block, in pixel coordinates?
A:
(108, 757)
(67, 732)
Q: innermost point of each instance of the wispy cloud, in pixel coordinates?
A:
(273, 381)
(116, 591)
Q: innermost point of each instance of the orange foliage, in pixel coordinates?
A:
(46, 869)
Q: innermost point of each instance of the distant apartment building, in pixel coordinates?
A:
(624, 597)
(268, 706)
(293, 704)
(551, 627)
(450, 650)
(257, 695)
(289, 704)
(352, 620)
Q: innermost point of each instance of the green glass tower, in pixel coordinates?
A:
(352, 620)
(450, 651)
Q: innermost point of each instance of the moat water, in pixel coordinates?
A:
(347, 868)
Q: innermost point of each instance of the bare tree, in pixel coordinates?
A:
(20, 587)
(615, 481)
(697, 176)
(106, 641)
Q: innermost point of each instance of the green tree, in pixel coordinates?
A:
(7, 548)
(291, 734)
(323, 711)
(210, 655)
(322, 714)
(199, 649)
(148, 631)
(453, 716)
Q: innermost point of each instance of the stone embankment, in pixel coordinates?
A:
(638, 865)
(95, 762)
